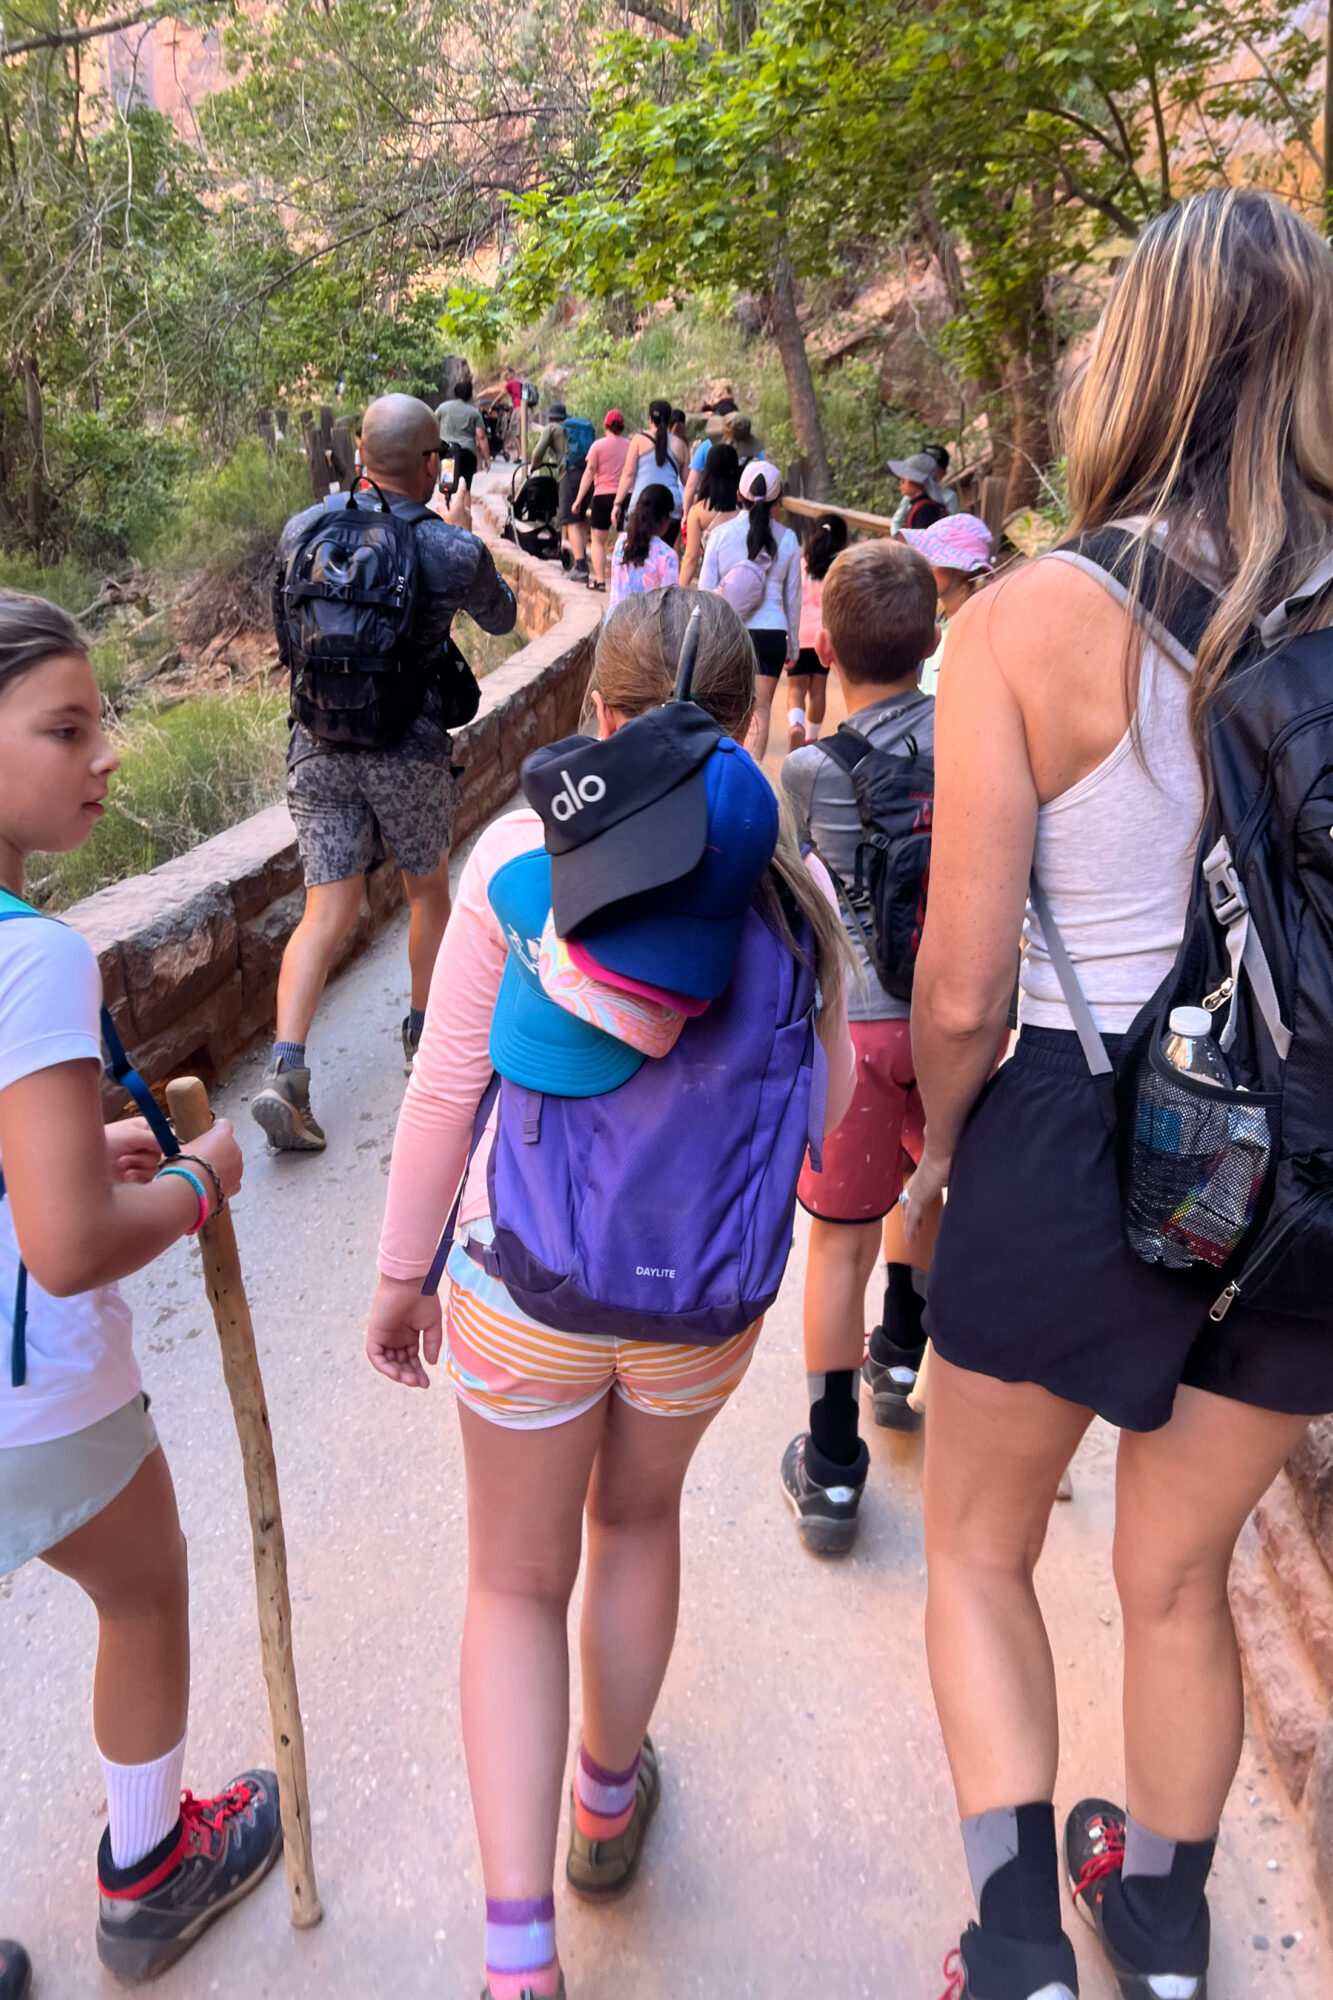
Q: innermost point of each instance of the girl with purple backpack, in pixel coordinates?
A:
(545, 1439)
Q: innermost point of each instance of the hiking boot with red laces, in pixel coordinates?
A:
(985, 1965)
(15, 1971)
(1094, 1859)
(216, 1853)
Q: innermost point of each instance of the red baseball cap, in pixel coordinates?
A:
(611, 417)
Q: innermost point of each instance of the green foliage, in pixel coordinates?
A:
(228, 509)
(186, 772)
(67, 583)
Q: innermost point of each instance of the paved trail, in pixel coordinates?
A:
(806, 1843)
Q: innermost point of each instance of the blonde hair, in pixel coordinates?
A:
(1207, 405)
(635, 669)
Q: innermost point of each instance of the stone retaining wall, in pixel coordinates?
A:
(189, 953)
(1282, 1599)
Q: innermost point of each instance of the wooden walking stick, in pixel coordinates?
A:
(188, 1103)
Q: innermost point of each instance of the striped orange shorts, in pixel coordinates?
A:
(525, 1376)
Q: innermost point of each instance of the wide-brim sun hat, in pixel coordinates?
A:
(922, 470)
(959, 541)
(761, 481)
(535, 1043)
(650, 1026)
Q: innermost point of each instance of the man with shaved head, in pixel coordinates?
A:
(363, 609)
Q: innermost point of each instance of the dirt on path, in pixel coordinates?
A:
(807, 1841)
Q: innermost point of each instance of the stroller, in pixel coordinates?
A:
(534, 502)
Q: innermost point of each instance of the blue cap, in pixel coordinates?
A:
(685, 936)
(533, 1042)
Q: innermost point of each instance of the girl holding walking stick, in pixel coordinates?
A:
(84, 1484)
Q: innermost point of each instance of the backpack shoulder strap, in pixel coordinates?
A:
(847, 747)
(1110, 556)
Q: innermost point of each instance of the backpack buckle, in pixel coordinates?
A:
(1226, 895)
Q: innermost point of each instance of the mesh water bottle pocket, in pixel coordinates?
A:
(1199, 1160)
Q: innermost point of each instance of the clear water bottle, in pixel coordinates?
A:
(1188, 1044)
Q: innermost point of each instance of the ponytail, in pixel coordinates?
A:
(659, 416)
(828, 540)
(759, 540)
(651, 510)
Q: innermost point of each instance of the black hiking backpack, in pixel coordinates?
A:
(349, 599)
(1237, 1182)
(895, 797)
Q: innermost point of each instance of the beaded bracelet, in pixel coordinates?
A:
(184, 1174)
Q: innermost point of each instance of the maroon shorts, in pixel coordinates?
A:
(863, 1160)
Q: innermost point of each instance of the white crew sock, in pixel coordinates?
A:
(143, 1803)
(812, 730)
(796, 718)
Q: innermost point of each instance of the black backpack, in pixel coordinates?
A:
(350, 600)
(895, 798)
(1239, 1181)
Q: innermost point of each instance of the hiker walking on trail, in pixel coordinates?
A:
(719, 500)
(1112, 711)
(958, 551)
(757, 568)
(602, 1021)
(923, 498)
(463, 431)
(654, 458)
(807, 681)
(599, 482)
(84, 1484)
(878, 620)
(642, 559)
(374, 697)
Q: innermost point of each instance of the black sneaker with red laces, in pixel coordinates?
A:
(1094, 1860)
(217, 1852)
(985, 1966)
(15, 1971)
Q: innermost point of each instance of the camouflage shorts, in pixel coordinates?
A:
(350, 807)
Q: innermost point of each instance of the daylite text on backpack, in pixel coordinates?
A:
(663, 1210)
(1239, 1181)
(886, 899)
(349, 598)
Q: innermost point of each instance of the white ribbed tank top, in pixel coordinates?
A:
(1115, 855)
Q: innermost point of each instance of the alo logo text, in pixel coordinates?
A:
(589, 791)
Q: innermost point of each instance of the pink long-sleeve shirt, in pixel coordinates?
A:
(453, 1062)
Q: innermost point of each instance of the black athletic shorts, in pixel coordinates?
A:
(1033, 1281)
(770, 651)
(465, 464)
(671, 532)
(602, 503)
(809, 662)
(570, 482)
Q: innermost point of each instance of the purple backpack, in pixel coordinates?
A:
(663, 1210)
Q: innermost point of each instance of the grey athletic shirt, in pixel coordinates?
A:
(825, 806)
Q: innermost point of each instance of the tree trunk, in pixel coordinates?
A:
(786, 325)
(1029, 384)
(32, 396)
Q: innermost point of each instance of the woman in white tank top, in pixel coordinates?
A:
(1064, 744)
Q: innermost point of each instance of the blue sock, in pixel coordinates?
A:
(416, 1021)
(292, 1054)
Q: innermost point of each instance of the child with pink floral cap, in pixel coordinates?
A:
(958, 549)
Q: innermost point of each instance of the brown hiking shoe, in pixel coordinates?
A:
(596, 1868)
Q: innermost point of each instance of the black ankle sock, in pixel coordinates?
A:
(903, 1307)
(1012, 1859)
(833, 1418)
(1167, 1904)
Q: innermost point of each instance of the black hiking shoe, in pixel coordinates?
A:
(1094, 1858)
(15, 1971)
(891, 1381)
(281, 1106)
(985, 1964)
(411, 1043)
(824, 1497)
(217, 1852)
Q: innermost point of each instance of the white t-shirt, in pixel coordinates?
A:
(81, 1364)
